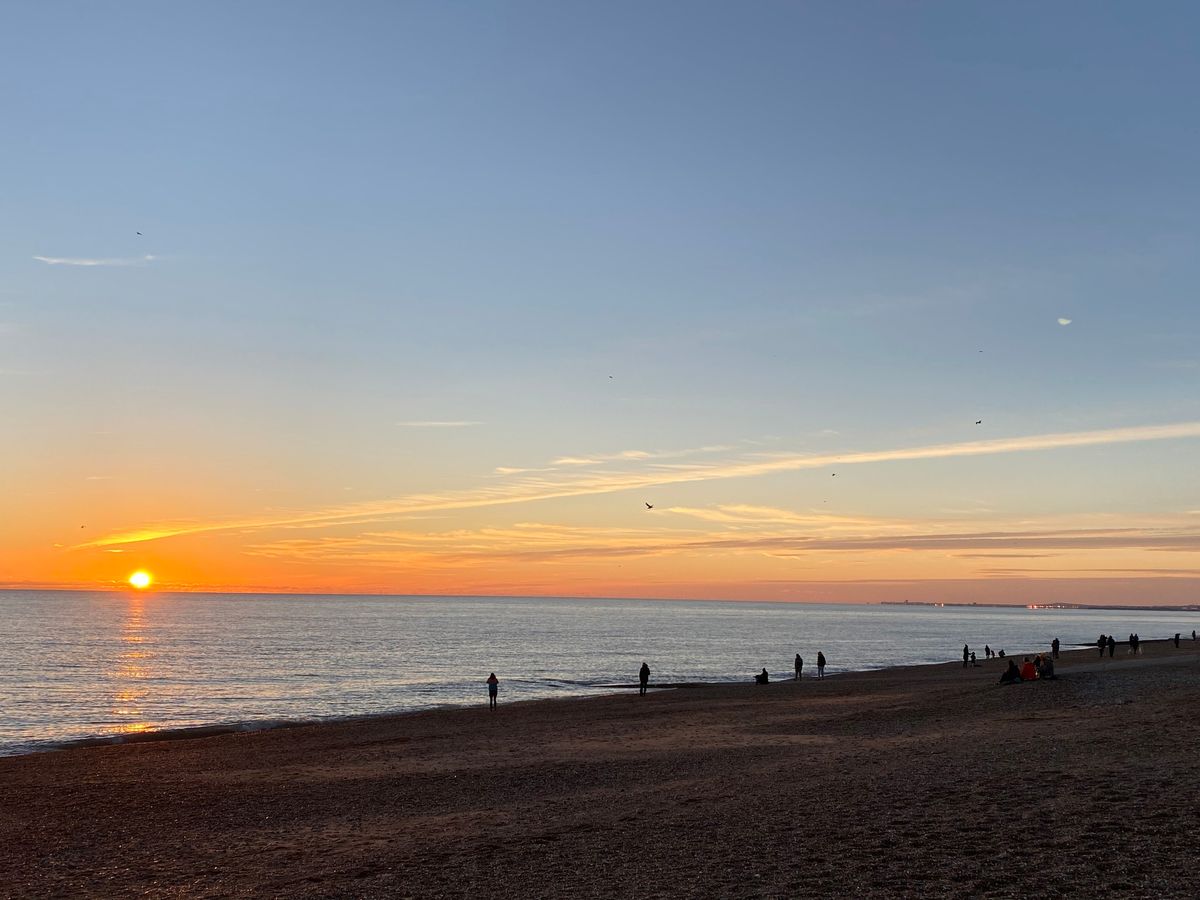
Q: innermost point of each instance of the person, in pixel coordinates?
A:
(799, 666)
(762, 677)
(973, 663)
(1112, 646)
(820, 665)
(1102, 642)
(987, 652)
(1001, 653)
(1028, 670)
(1010, 675)
(1046, 669)
(1135, 643)
(1054, 645)
(493, 684)
(643, 679)
(966, 655)
(1177, 640)
(1193, 634)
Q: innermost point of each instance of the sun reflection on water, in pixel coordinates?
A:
(131, 670)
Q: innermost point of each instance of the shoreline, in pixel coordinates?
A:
(172, 733)
(930, 780)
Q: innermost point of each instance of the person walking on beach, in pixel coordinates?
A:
(1112, 646)
(493, 684)
(643, 679)
(966, 655)
(1054, 645)
(799, 666)
(1102, 642)
(820, 665)
(987, 651)
(1177, 640)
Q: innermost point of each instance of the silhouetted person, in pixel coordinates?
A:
(973, 663)
(1010, 675)
(799, 666)
(987, 652)
(643, 679)
(1046, 668)
(1102, 642)
(1054, 645)
(966, 655)
(1112, 646)
(493, 684)
(1001, 653)
(1135, 643)
(1177, 640)
(762, 677)
(820, 665)
(1193, 634)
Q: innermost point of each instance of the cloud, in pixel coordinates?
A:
(561, 485)
(83, 261)
(436, 424)
(1063, 321)
(595, 459)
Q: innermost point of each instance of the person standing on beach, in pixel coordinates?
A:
(799, 666)
(966, 655)
(1054, 645)
(987, 651)
(643, 679)
(493, 684)
(1102, 643)
(820, 665)
(1112, 646)
(1177, 640)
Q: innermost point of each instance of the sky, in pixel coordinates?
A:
(776, 301)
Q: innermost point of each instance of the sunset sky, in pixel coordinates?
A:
(868, 301)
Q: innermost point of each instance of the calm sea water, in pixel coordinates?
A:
(82, 665)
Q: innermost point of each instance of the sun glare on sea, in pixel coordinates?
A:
(140, 579)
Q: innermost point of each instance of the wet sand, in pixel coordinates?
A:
(928, 781)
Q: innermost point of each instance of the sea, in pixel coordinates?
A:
(79, 667)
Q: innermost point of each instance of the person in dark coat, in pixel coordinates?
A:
(799, 666)
(643, 679)
(820, 665)
(1054, 645)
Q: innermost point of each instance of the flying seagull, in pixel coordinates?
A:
(139, 232)
(649, 505)
(979, 421)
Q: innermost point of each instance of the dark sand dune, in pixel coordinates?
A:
(932, 781)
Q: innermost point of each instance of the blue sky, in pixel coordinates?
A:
(779, 227)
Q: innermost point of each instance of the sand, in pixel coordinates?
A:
(932, 781)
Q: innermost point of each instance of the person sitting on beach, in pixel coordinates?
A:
(761, 677)
(1028, 670)
(1001, 654)
(1010, 675)
(820, 665)
(1045, 668)
(799, 666)
(493, 684)
(643, 679)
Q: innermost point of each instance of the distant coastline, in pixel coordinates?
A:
(1190, 607)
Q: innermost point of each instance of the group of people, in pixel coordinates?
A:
(1036, 669)
(1040, 667)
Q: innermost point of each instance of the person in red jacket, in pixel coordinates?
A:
(1028, 670)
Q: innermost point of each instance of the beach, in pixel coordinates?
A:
(919, 781)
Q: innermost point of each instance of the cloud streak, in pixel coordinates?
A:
(562, 485)
(452, 423)
(91, 262)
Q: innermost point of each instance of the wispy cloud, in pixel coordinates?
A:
(595, 459)
(93, 261)
(1064, 321)
(455, 423)
(561, 485)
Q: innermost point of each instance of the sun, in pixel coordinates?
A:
(140, 579)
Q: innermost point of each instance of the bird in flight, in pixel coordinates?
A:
(139, 232)
(833, 474)
(649, 505)
(979, 421)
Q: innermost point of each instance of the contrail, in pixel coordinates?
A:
(535, 489)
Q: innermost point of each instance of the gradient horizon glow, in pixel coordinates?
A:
(813, 302)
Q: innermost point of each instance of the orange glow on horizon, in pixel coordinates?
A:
(140, 579)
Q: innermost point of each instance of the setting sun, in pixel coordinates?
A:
(140, 579)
